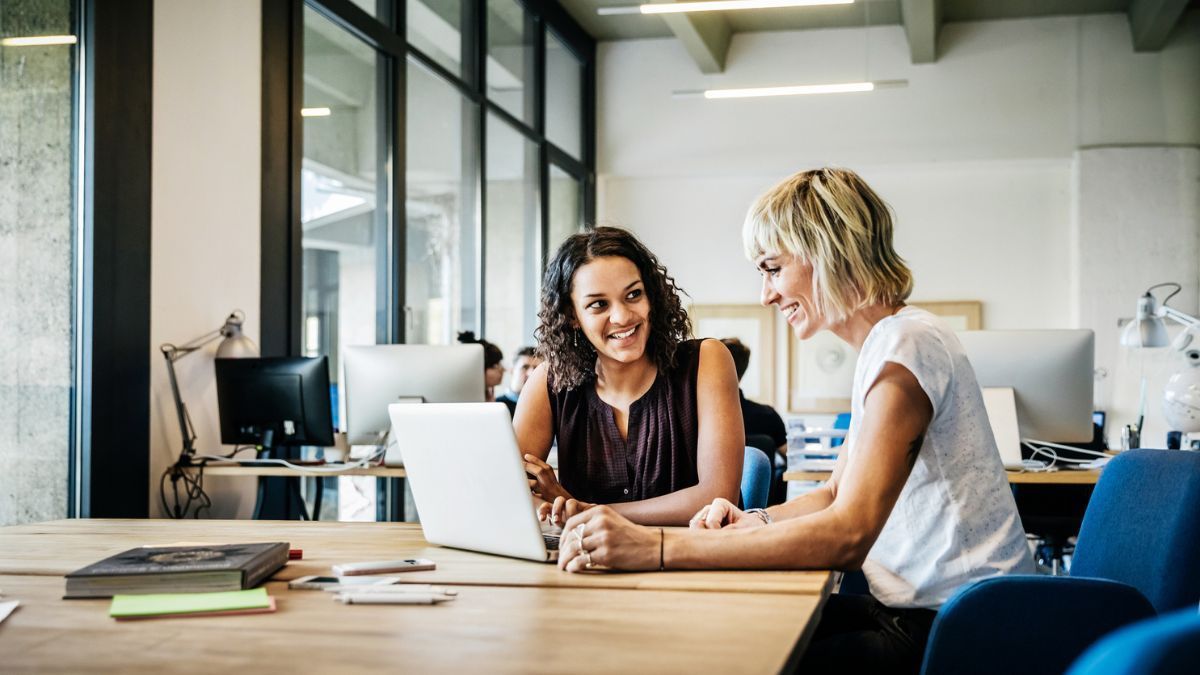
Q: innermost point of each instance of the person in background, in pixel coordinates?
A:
(523, 364)
(918, 499)
(493, 363)
(646, 419)
(761, 421)
(758, 418)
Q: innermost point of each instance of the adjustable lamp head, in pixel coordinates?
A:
(1147, 328)
(235, 344)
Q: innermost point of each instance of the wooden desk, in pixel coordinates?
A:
(1065, 477)
(510, 615)
(486, 629)
(59, 547)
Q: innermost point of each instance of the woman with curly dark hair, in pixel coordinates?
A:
(646, 419)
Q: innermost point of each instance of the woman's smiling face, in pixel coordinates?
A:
(611, 308)
(787, 284)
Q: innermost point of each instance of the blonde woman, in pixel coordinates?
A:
(918, 500)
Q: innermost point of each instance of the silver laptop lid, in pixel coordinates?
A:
(467, 477)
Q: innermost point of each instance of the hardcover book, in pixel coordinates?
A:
(178, 569)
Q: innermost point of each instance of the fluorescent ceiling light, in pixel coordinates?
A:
(39, 40)
(315, 112)
(796, 90)
(714, 6)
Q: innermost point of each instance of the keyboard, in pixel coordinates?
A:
(551, 541)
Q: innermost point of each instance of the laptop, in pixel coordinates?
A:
(463, 462)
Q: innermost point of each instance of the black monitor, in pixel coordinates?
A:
(274, 402)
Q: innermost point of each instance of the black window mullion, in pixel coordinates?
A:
(481, 169)
(462, 86)
(364, 26)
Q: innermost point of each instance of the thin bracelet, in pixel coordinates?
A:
(762, 514)
(661, 538)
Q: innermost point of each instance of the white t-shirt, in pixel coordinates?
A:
(955, 520)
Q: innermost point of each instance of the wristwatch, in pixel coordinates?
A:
(761, 513)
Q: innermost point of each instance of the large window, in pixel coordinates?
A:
(37, 258)
(435, 150)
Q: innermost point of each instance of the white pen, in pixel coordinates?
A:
(392, 598)
(394, 589)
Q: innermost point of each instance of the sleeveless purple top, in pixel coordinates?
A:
(659, 454)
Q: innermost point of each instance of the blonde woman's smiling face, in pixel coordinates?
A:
(787, 284)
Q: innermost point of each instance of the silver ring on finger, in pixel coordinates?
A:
(587, 558)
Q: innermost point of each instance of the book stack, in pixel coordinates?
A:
(178, 569)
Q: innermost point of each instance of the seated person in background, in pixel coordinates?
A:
(646, 420)
(493, 363)
(918, 499)
(761, 423)
(759, 419)
(523, 364)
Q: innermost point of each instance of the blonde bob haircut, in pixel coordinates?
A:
(833, 220)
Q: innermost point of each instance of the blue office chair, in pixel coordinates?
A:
(842, 421)
(1027, 624)
(756, 479)
(1141, 531)
(1142, 527)
(1162, 646)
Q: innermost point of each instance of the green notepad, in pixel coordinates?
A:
(125, 606)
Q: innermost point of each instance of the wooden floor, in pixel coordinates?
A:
(510, 616)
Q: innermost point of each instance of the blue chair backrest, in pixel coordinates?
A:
(1027, 624)
(1162, 646)
(756, 479)
(842, 421)
(1142, 527)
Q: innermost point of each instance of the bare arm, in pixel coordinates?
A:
(897, 413)
(721, 442)
(863, 491)
(533, 421)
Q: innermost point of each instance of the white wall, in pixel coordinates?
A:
(205, 211)
(977, 155)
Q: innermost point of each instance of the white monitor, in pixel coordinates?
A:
(1050, 371)
(378, 375)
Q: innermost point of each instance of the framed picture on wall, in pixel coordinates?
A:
(820, 374)
(959, 314)
(754, 325)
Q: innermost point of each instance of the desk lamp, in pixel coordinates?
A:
(1181, 401)
(235, 345)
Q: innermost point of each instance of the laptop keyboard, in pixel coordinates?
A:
(551, 541)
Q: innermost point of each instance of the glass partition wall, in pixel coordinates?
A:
(38, 257)
(437, 152)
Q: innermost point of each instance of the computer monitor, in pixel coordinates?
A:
(377, 376)
(1050, 372)
(274, 402)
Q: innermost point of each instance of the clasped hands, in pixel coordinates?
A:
(599, 538)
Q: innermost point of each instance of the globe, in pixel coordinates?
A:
(1181, 401)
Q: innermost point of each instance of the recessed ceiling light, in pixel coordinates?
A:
(714, 6)
(793, 90)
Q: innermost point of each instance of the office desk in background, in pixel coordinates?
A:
(394, 475)
(510, 615)
(1064, 477)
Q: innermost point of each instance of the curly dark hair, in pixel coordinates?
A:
(571, 364)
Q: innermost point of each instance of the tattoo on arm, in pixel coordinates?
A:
(913, 448)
